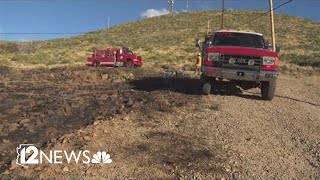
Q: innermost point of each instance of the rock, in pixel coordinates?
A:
(64, 141)
(228, 169)
(42, 176)
(14, 165)
(126, 118)
(120, 110)
(50, 112)
(105, 77)
(131, 76)
(30, 128)
(87, 138)
(130, 102)
(67, 109)
(13, 127)
(24, 122)
(117, 81)
(38, 122)
(88, 171)
(38, 168)
(6, 141)
(53, 140)
(65, 169)
(99, 118)
(96, 123)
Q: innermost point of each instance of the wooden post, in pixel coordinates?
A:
(222, 14)
(208, 27)
(272, 26)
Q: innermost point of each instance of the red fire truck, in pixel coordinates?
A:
(114, 57)
(241, 57)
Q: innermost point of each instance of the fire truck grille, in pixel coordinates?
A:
(239, 61)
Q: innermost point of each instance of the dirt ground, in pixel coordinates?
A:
(157, 125)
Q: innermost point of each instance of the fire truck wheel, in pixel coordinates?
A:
(129, 64)
(96, 64)
(268, 90)
(206, 87)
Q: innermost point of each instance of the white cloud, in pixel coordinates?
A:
(154, 12)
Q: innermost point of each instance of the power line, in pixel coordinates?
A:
(171, 2)
(40, 33)
(283, 4)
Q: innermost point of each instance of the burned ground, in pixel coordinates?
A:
(157, 125)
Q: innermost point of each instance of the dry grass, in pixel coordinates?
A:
(169, 40)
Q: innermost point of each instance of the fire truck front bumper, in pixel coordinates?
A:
(240, 74)
(138, 63)
(89, 63)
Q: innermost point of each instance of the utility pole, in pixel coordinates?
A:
(171, 3)
(222, 14)
(188, 1)
(208, 28)
(272, 26)
(108, 22)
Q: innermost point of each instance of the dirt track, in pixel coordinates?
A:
(158, 126)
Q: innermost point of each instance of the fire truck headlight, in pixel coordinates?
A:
(232, 60)
(213, 57)
(269, 60)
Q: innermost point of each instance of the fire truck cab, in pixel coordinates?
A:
(114, 57)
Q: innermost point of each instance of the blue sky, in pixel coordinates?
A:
(76, 16)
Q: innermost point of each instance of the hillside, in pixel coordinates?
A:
(155, 121)
(170, 40)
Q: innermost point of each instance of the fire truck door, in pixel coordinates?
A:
(108, 60)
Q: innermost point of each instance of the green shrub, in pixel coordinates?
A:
(302, 60)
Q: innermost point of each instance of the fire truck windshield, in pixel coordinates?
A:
(239, 39)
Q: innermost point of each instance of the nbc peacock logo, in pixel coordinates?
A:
(101, 157)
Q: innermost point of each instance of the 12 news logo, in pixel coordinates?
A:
(28, 154)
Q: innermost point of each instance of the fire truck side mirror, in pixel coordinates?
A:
(198, 42)
(278, 48)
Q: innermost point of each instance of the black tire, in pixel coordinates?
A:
(96, 63)
(268, 90)
(129, 64)
(206, 88)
